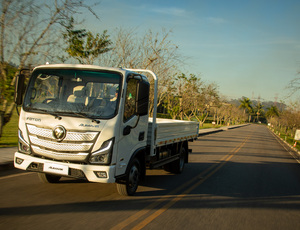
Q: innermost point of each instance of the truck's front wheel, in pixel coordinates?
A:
(130, 185)
(48, 178)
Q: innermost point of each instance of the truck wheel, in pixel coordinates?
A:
(48, 178)
(178, 165)
(130, 185)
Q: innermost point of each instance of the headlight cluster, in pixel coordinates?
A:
(103, 155)
(24, 147)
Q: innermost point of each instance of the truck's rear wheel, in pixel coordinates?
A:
(178, 165)
(48, 178)
(130, 185)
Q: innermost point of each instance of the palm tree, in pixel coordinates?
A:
(246, 105)
(272, 112)
(258, 110)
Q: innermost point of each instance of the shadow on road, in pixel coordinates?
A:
(261, 185)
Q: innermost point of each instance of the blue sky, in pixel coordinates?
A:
(249, 48)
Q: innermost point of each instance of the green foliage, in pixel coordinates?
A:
(165, 116)
(83, 45)
(246, 104)
(10, 132)
(6, 88)
(172, 104)
(272, 112)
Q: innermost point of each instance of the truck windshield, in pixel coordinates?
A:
(91, 94)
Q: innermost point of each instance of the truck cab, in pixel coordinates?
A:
(74, 116)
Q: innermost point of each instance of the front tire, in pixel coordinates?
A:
(133, 175)
(48, 178)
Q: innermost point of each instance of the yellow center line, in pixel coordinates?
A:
(212, 169)
(148, 208)
(186, 192)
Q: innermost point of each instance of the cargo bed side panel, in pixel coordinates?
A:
(171, 131)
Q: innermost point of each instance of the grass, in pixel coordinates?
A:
(10, 132)
(209, 125)
(290, 140)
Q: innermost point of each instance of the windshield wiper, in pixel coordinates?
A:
(59, 117)
(86, 116)
(47, 112)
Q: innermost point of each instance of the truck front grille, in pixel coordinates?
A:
(58, 146)
(59, 155)
(75, 146)
(71, 136)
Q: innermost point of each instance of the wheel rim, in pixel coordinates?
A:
(133, 178)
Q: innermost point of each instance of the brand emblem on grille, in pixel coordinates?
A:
(59, 133)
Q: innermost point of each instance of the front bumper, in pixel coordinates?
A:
(81, 171)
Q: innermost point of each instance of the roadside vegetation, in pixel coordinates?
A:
(285, 122)
(10, 132)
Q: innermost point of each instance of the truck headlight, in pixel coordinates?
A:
(24, 147)
(103, 155)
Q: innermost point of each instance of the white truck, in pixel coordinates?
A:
(90, 122)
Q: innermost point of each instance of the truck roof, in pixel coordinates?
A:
(79, 66)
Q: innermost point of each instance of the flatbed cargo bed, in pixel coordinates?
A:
(171, 131)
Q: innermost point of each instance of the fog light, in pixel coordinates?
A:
(19, 160)
(101, 174)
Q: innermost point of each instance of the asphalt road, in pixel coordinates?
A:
(236, 179)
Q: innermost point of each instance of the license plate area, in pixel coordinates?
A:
(56, 168)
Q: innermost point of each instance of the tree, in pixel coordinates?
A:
(246, 104)
(189, 93)
(294, 85)
(237, 115)
(83, 45)
(208, 97)
(258, 110)
(272, 112)
(154, 51)
(172, 102)
(28, 35)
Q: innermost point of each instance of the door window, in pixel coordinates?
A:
(130, 105)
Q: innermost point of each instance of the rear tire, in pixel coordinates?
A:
(178, 165)
(48, 178)
(133, 175)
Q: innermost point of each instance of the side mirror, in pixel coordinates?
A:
(127, 130)
(19, 89)
(142, 98)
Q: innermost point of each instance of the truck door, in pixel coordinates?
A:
(133, 128)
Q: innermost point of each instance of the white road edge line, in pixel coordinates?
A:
(285, 147)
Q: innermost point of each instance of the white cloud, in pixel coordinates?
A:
(216, 20)
(170, 11)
